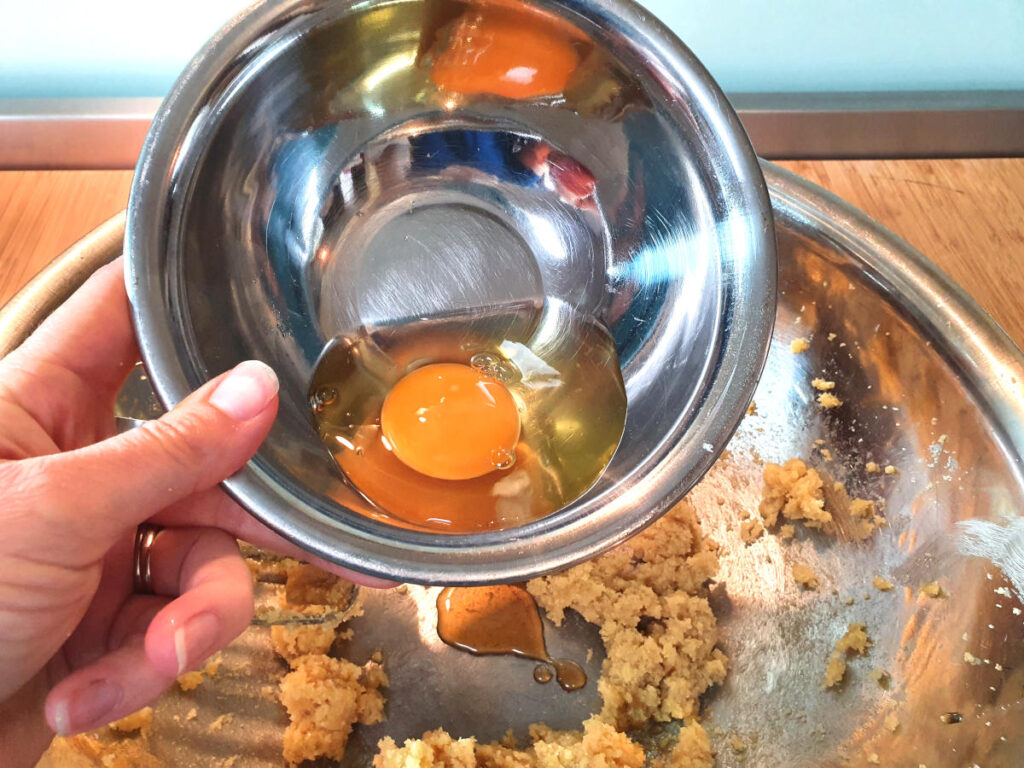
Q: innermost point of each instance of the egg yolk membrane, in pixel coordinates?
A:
(451, 422)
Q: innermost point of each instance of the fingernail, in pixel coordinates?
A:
(87, 708)
(246, 390)
(196, 640)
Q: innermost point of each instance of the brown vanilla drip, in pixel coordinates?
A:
(502, 619)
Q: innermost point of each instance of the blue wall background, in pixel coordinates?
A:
(61, 48)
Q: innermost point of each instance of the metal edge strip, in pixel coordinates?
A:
(884, 125)
(87, 134)
(108, 133)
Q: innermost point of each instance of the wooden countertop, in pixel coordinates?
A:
(966, 215)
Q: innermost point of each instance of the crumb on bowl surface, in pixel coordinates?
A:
(854, 642)
(653, 670)
(828, 400)
(325, 698)
(805, 576)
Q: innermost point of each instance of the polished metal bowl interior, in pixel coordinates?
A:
(306, 178)
(931, 386)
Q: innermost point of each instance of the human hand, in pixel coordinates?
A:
(75, 642)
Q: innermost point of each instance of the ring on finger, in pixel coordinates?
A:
(142, 571)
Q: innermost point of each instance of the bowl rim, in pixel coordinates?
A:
(581, 530)
(970, 339)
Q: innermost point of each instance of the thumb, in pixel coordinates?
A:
(98, 492)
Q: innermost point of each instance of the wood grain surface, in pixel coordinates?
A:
(44, 212)
(966, 215)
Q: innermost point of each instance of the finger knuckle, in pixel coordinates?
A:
(31, 494)
(181, 441)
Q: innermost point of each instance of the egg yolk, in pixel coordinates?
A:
(507, 52)
(450, 422)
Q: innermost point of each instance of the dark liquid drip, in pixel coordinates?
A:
(502, 619)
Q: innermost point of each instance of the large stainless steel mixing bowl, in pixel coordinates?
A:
(313, 174)
(931, 386)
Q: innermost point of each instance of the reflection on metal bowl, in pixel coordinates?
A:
(332, 169)
(930, 385)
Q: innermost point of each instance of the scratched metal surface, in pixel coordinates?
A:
(929, 386)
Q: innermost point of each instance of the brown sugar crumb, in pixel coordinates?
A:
(881, 584)
(308, 585)
(864, 518)
(693, 750)
(597, 745)
(294, 641)
(822, 385)
(872, 467)
(828, 400)
(751, 530)
(752, 409)
(794, 491)
(891, 470)
(892, 722)
(192, 714)
(873, 758)
(435, 750)
(325, 698)
(220, 722)
(265, 566)
(310, 592)
(190, 680)
(971, 659)
(855, 641)
(649, 601)
(882, 678)
(835, 670)
(805, 576)
(826, 454)
(85, 751)
(799, 346)
(832, 337)
(787, 531)
(738, 745)
(140, 722)
(932, 589)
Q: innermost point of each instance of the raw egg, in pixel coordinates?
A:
(507, 52)
(450, 422)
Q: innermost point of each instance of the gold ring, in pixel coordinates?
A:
(142, 573)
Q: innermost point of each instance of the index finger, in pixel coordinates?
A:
(89, 335)
(67, 373)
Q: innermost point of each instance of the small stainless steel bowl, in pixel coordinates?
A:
(312, 171)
